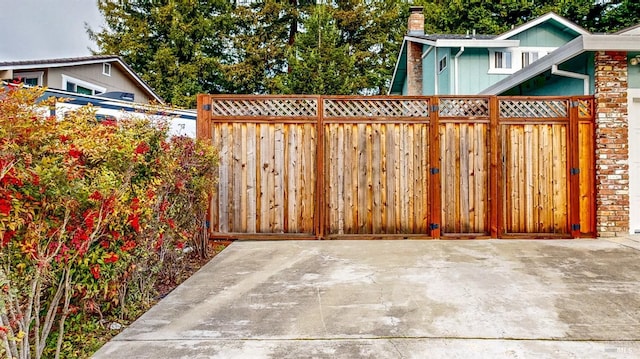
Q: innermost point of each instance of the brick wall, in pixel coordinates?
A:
(612, 151)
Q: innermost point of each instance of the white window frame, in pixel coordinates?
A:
(106, 69)
(516, 58)
(502, 70)
(541, 51)
(441, 68)
(30, 75)
(94, 88)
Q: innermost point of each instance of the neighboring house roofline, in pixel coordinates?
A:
(78, 61)
(628, 30)
(446, 42)
(548, 16)
(570, 50)
(484, 43)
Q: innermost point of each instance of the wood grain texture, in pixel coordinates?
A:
(536, 181)
(464, 152)
(493, 176)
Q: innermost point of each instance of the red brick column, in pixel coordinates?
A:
(612, 149)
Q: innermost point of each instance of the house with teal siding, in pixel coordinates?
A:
(452, 64)
(549, 56)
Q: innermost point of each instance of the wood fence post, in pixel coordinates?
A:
(434, 170)
(203, 132)
(203, 121)
(319, 208)
(495, 195)
(573, 170)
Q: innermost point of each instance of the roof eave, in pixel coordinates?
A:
(549, 16)
(58, 64)
(485, 43)
(142, 83)
(612, 43)
(395, 69)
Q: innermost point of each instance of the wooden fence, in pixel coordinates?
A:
(401, 167)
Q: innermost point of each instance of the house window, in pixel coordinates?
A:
(442, 64)
(72, 84)
(29, 78)
(528, 57)
(106, 69)
(502, 60)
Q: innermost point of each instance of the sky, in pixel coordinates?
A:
(46, 29)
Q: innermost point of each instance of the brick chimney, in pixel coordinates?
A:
(414, 51)
(416, 21)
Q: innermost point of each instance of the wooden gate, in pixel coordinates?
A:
(401, 167)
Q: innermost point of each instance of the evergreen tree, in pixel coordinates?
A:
(318, 62)
(177, 46)
(260, 40)
(373, 30)
(368, 34)
(620, 14)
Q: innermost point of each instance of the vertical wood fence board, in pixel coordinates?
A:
(376, 178)
(235, 138)
(362, 178)
(214, 205)
(587, 178)
(251, 169)
(391, 180)
(383, 179)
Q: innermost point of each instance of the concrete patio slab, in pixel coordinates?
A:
(399, 299)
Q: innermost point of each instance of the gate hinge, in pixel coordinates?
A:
(207, 225)
(435, 108)
(434, 170)
(575, 171)
(206, 107)
(575, 227)
(575, 104)
(433, 226)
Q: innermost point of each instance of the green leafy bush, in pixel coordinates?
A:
(90, 213)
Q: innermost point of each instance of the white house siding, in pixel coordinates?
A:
(118, 81)
(633, 99)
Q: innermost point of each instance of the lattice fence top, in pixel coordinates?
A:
(585, 110)
(464, 107)
(533, 109)
(266, 107)
(376, 108)
(307, 108)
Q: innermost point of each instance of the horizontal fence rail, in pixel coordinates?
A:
(401, 167)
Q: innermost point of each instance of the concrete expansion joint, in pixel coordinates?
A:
(267, 339)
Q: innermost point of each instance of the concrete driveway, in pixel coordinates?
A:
(400, 299)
